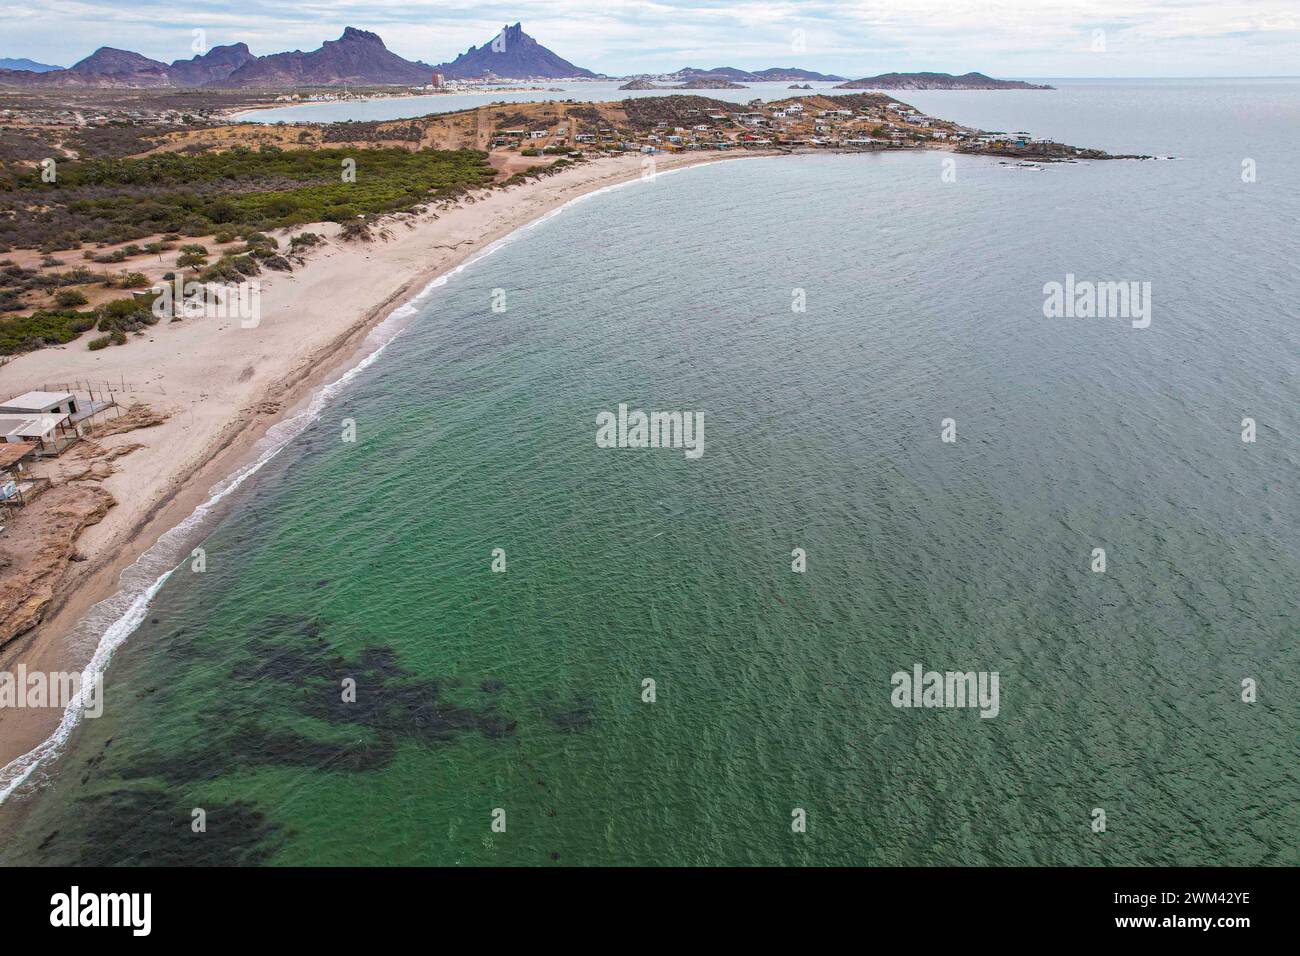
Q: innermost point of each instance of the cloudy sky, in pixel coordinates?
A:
(1017, 38)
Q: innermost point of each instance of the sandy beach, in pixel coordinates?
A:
(221, 386)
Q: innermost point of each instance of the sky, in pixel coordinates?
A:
(1008, 38)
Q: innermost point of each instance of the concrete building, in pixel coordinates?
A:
(41, 403)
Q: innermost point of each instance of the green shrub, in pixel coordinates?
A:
(67, 298)
(120, 200)
(43, 327)
(355, 229)
(304, 240)
(126, 315)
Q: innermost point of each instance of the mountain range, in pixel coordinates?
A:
(357, 57)
(22, 63)
(110, 67)
(511, 53)
(773, 74)
(937, 81)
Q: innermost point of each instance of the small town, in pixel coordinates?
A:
(673, 123)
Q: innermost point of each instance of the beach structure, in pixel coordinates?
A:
(18, 485)
(49, 420)
(50, 434)
(41, 403)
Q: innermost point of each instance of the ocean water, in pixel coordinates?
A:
(370, 560)
(583, 91)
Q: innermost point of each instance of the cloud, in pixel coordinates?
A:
(1008, 37)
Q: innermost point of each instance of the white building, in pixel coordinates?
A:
(41, 403)
(49, 433)
(50, 420)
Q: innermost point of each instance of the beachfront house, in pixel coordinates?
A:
(17, 484)
(50, 434)
(41, 403)
(51, 421)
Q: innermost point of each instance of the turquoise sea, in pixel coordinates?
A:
(477, 691)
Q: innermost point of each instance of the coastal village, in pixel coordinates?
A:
(852, 122)
(672, 123)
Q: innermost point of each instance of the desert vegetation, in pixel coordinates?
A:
(240, 190)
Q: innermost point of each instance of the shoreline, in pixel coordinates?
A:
(236, 115)
(230, 442)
